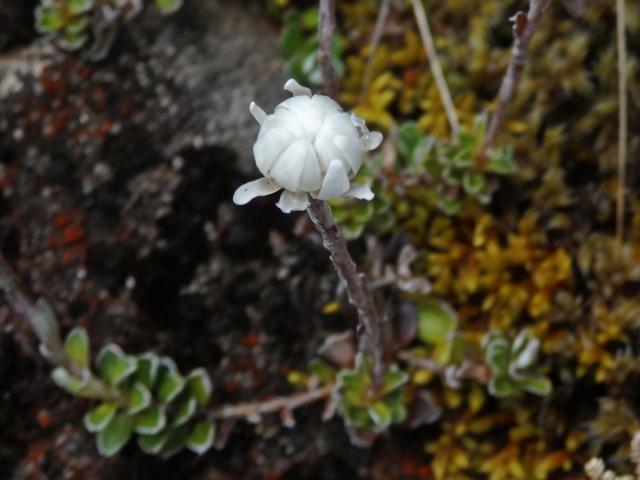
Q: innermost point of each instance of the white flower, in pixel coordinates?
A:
(308, 146)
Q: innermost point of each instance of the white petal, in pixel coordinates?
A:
(290, 202)
(311, 178)
(296, 89)
(257, 113)
(325, 105)
(257, 188)
(359, 122)
(352, 151)
(363, 192)
(372, 140)
(269, 147)
(336, 181)
(287, 169)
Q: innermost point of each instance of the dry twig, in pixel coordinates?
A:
(622, 120)
(524, 26)
(436, 69)
(326, 30)
(255, 410)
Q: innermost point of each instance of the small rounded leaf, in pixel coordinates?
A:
(151, 421)
(436, 321)
(201, 437)
(199, 386)
(115, 435)
(98, 418)
(76, 346)
(114, 365)
(63, 379)
(140, 398)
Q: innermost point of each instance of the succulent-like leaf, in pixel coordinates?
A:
(176, 440)
(170, 383)
(503, 386)
(167, 7)
(77, 7)
(139, 398)
(325, 372)
(409, 135)
(152, 444)
(48, 19)
(199, 386)
(498, 356)
(112, 438)
(76, 346)
(45, 323)
(114, 365)
(98, 418)
(538, 385)
(449, 205)
(436, 321)
(501, 161)
(201, 437)
(381, 415)
(473, 183)
(151, 421)
(147, 371)
(394, 378)
(65, 380)
(185, 411)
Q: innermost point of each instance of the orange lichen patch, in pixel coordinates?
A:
(44, 418)
(250, 340)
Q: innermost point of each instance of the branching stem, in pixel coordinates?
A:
(326, 30)
(524, 26)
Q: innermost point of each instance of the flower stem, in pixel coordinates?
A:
(357, 290)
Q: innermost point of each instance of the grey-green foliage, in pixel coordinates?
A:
(367, 407)
(139, 395)
(76, 23)
(513, 365)
(457, 169)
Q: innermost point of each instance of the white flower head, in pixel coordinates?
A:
(308, 146)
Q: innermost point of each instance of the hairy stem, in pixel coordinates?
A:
(274, 405)
(357, 290)
(524, 26)
(622, 119)
(326, 30)
(436, 69)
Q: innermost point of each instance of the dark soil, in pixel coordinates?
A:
(116, 184)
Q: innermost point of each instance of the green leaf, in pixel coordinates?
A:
(140, 398)
(501, 161)
(473, 183)
(396, 403)
(48, 19)
(449, 205)
(148, 367)
(325, 372)
(167, 7)
(176, 439)
(498, 356)
(171, 382)
(503, 386)
(436, 321)
(394, 378)
(380, 413)
(152, 444)
(77, 25)
(409, 135)
(452, 176)
(291, 40)
(356, 416)
(199, 386)
(309, 19)
(76, 346)
(201, 437)
(77, 7)
(98, 418)
(538, 385)
(115, 435)
(63, 379)
(184, 412)
(114, 365)
(151, 421)
(354, 386)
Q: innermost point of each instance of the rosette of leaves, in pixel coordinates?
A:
(512, 365)
(366, 407)
(299, 43)
(140, 395)
(73, 23)
(458, 169)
